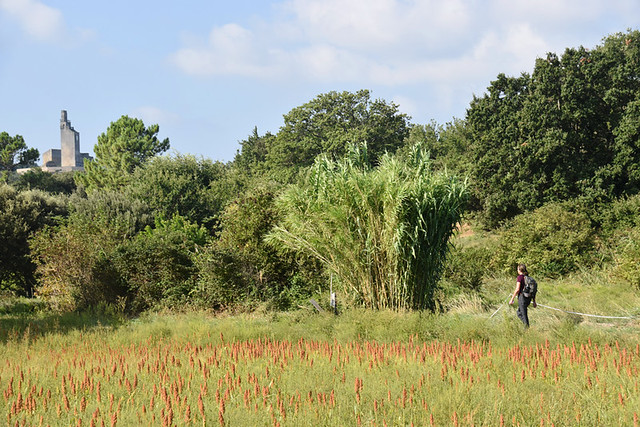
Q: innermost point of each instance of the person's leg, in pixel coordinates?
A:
(523, 304)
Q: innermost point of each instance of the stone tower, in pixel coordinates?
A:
(68, 157)
(70, 143)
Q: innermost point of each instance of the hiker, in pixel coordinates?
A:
(523, 301)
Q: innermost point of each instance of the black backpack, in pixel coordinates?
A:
(530, 287)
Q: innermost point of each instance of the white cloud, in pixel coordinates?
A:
(153, 115)
(38, 20)
(335, 40)
(230, 49)
(405, 104)
(380, 25)
(394, 42)
(325, 62)
(511, 50)
(552, 12)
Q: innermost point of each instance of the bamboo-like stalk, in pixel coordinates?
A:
(382, 231)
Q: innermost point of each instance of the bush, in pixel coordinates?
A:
(466, 267)
(193, 188)
(627, 257)
(57, 183)
(73, 265)
(21, 215)
(239, 268)
(623, 213)
(552, 240)
(156, 266)
(73, 258)
(126, 216)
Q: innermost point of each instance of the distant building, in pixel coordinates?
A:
(68, 157)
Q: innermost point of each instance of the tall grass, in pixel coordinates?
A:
(363, 367)
(360, 368)
(382, 232)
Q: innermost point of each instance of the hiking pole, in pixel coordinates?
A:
(505, 301)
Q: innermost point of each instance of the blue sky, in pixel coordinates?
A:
(208, 72)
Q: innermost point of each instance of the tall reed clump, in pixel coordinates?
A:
(383, 231)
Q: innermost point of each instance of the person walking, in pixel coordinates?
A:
(523, 301)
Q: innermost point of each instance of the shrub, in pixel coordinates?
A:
(22, 214)
(156, 266)
(240, 268)
(73, 258)
(552, 240)
(73, 265)
(627, 257)
(623, 213)
(196, 189)
(466, 267)
(126, 216)
(57, 183)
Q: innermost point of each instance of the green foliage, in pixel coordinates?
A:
(328, 124)
(627, 257)
(74, 258)
(14, 152)
(568, 130)
(383, 232)
(126, 145)
(106, 252)
(494, 125)
(37, 179)
(620, 215)
(239, 268)
(72, 266)
(466, 267)
(111, 209)
(619, 225)
(552, 240)
(196, 189)
(21, 215)
(252, 156)
(157, 265)
(448, 145)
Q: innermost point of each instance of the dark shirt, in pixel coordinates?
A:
(521, 280)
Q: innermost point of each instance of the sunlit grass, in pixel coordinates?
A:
(306, 368)
(362, 367)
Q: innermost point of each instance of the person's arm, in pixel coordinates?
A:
(515, 293)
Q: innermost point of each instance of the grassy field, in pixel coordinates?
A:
(307, 368)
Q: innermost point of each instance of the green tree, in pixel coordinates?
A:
(552, 240)
(566, 131)
(75, 257)
(624, 170)
(157, 265)
(126, 145)
(330, 122)
(239, 268)
(194, 188)
(383, 232)
(252, 155)
(21, 215)
(448, 144)
(495, 129)
(14, 152)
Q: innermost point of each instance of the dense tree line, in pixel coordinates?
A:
(142, 229)
(349, 193)
(569, 130)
